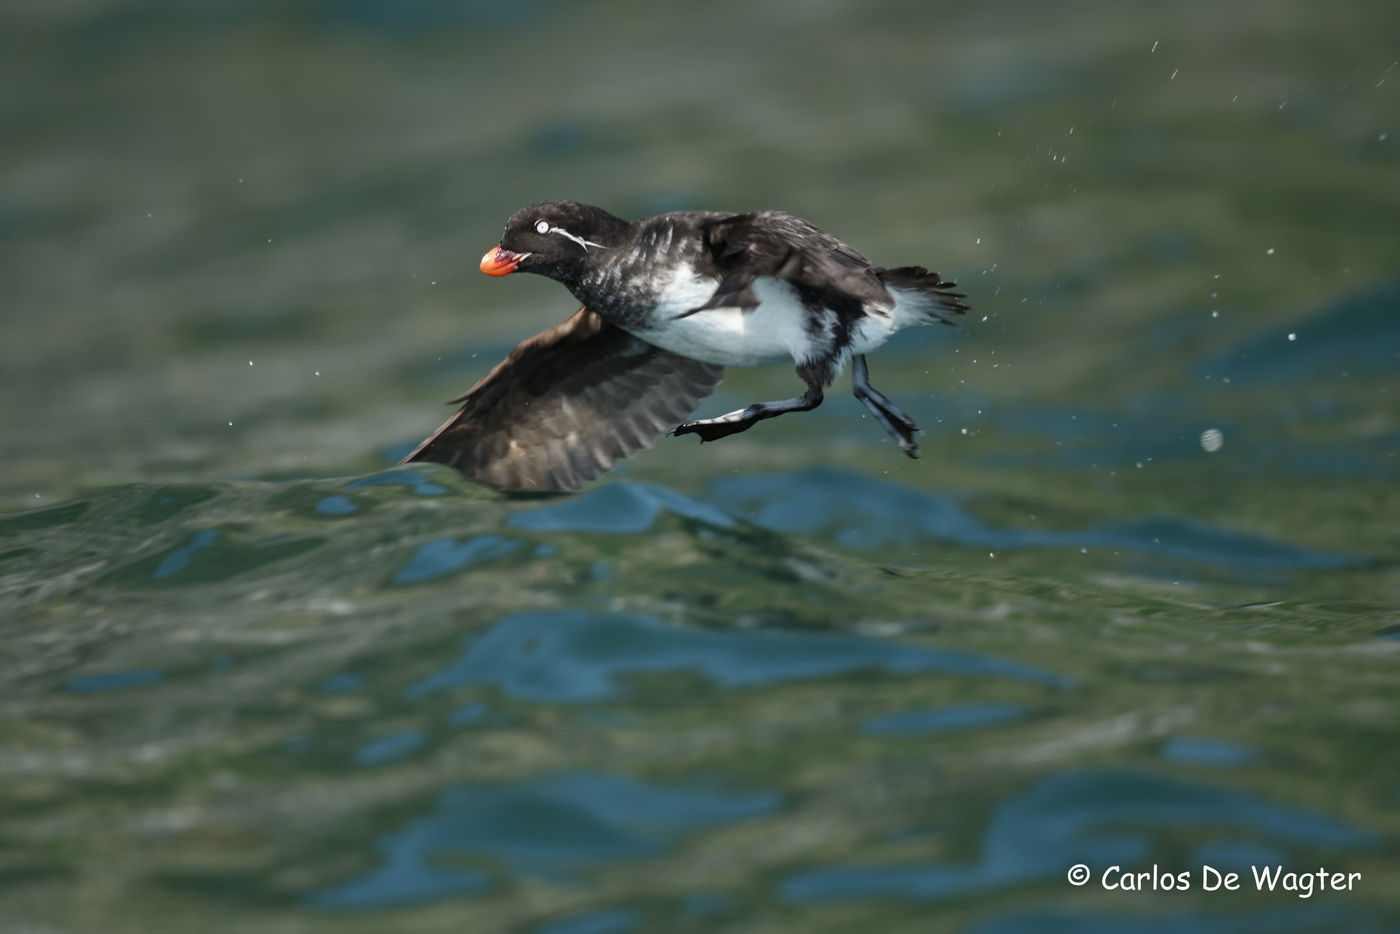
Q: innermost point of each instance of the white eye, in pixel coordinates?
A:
(542, 227)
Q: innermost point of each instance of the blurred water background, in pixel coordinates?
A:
(1138, 604)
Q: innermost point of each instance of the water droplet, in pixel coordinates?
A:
(1292, 336)
(1270, 251)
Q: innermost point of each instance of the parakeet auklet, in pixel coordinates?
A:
(669, 301)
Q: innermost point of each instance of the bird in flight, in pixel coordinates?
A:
(668, 302)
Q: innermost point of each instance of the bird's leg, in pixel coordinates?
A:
(900, 426)
(712, 429)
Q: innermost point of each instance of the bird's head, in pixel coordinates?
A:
(558, 239)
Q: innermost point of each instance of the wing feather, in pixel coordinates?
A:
(826, 272)
(567, 404)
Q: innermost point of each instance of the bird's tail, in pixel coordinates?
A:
(927, 292)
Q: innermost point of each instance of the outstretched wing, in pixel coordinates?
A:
(825, 271)
(565, 405)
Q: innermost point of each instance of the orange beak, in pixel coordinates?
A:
(499, 261)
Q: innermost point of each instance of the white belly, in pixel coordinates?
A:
(780, 328)
(871, 332)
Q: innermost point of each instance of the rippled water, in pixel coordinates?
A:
(1137, 606)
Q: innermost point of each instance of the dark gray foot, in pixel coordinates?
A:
(712, 429)
(900, 426)
(722, 426)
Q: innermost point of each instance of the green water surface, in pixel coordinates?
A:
(255, 678)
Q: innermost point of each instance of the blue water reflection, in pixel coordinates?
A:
(617, 507)
(607, 921)
(1236, 855)
(446, 556)
(1199, 750)
(576, 656)
(1304, 919)
(389, 748)
(416, 482)
(344, 683)
(336, 505)
(1035, 836)
(405, 875)
(942, 719)
(469, 714)
(114, 680)
(180, 558)
(864, 512)
(543, 826)
(1355, 333)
